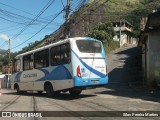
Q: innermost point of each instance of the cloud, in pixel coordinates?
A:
(4, 37)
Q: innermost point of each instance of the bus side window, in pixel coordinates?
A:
(28, 62)
(41, 59)
(18, 65)
(31, 62)
(60, 54)
(68, 53)
(55, 56)
(65, 54)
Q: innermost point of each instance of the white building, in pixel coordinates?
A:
(124, 33)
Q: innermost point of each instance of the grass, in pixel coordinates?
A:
(112, 46)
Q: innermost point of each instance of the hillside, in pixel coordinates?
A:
(113, 10)
(2, 51)
(94, 12)
(100, 11)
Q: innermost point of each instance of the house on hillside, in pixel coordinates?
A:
(150, 41)
(124, 33)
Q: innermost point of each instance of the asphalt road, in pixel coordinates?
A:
(121, 94)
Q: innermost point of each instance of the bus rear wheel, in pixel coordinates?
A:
(19, 91)
(49, 90)
(75, 92)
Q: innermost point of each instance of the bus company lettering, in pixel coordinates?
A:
(99, 67)
(30, 75)
(102, 68)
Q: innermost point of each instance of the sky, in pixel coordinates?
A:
(26, 21)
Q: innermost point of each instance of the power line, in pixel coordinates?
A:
(39, 30)
(41, 12)
(80, 13)
(13, 21)
(91, 11)
(9, 27)
(16, 8)
(12, 29)
(75, 4)
(5, 42)
(81, 3)
(62, 4)
(22, 11)
(16, 16)
(33, 20)
(67, 27)
(67, 17)
(62, 32)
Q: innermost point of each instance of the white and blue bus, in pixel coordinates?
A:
(72, 65)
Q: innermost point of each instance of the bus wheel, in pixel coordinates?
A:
(49, 90)
(75, 92)
(18, 90)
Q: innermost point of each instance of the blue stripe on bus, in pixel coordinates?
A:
(90, 68)
(59, 73)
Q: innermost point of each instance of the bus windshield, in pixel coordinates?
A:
(88, 46)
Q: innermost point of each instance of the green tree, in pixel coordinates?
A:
(103, 32)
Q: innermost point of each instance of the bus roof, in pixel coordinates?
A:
(54, 44)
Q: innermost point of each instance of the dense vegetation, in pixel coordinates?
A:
(105, 33)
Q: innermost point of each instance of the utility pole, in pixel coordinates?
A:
(120, 28)
(67, 26)
(120, 32)
(9, 62)
(89, 24)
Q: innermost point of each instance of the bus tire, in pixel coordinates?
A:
(75, 92)
(49, 90)
(16, 87)
(18, 90)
